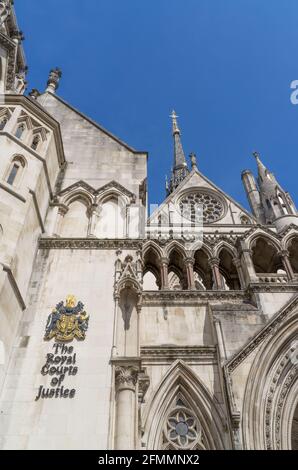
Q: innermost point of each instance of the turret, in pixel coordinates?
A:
(268, 200)
(253, 195)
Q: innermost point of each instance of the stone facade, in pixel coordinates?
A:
(189, 338)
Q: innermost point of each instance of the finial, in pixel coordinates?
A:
(193, 159)
(54, 79)
(175, 124)
(256, 155)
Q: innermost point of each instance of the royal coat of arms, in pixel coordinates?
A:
(68, 321)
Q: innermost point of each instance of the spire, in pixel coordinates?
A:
(54, 79)
(180, 170)
(266, 178)
(179, 157)
(277, 205)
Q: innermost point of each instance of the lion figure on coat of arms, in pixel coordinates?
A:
(68, 321)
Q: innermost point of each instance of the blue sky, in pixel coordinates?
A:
(225, 66)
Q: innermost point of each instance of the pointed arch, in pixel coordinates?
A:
(270, 398)
(202, 266)
(227, 268)
(175, 245)
(265, 254)
(225, 245)
(270, 238)
(152, 255)
(181, 381)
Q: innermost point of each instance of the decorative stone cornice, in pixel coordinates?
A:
(275, 323)
(193, 297)
(88, 244)
(170, 353)
(126, 377)
(273, 287)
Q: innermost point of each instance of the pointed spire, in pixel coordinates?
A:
(266, 178)
(179, 157)
(261, 167)
(180, 170)
(193, 161)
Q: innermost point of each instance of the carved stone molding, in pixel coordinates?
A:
(172, 353)
(272, 287)
(277, 320)
(88, 244)
(193, 297)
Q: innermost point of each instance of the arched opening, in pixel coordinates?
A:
(20, 131)
(75, 221)
(203, 271)
(177, 274)
(265, 258)
(35, 142)
(15, 170)
(293, 254)
(181, 397)
(3, 123)
(228, 271)
(294, 437)
(151, 273)
(112, 219)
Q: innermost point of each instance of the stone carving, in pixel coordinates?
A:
(126, 376)
(54, 79)
(182, 430)
(5, 11)
(67, 322)
(213, 208)
(129, 274)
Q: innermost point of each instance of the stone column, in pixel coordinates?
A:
(164, 265)
(126, 380)
(217, 281)
(248, 268)
(284, 254)
(237, 264)
(189, 263)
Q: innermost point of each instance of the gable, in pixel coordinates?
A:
(229, 211)
(92, 153)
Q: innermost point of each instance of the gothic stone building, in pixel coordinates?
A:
(116, 333)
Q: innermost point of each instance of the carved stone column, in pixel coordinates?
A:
(189, 263)
(284, 254)
(164, 275)
(217, 282)
(237, 264)
(248, 268)
(126, 379)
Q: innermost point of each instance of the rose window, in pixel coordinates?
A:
(182, 429)
(196, 206)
